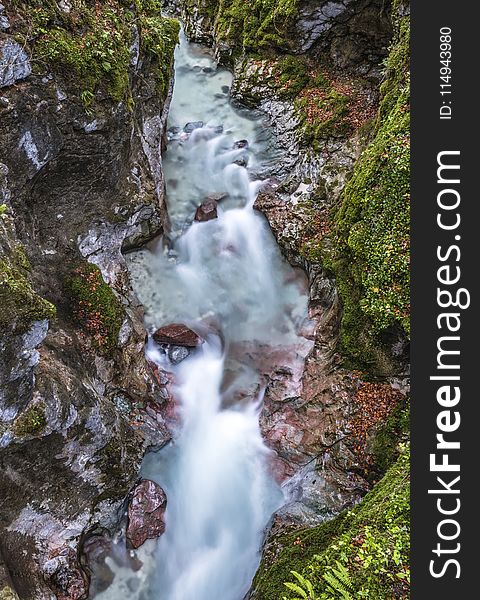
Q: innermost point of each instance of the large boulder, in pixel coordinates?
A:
(146, 513)
(177, 334)
(207, 210)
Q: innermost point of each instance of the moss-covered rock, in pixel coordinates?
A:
(371, 542)
(369, 249)
(31, 422)
(388, 441)
(93, 41)
(20, 305)
(254, 26)
(95, 306)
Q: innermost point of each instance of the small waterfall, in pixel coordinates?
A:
(220, 493)
(227, 280)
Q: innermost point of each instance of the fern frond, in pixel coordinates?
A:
(297, 589)
(339, 581)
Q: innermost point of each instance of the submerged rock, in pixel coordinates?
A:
(241, 162)
(189, 127)
(207, 210)
(177, 353)
(240, 144)
(146, 513)
(177, 334)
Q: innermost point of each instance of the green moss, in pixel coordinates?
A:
(391, 437)
(8, 594)
(248, 26)
(91, 44)
(159, 37)
(369, 249)
(371, 541)
(20, 305)
(291, 76)
(95, 307)
(323, 111)
(31, 422)
(291, 552)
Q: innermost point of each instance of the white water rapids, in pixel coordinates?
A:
(226, 279)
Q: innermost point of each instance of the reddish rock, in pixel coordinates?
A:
(146, 513)
(65, 575)
(207, 210)
(177, 334)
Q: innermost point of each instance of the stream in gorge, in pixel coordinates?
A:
(226, 279)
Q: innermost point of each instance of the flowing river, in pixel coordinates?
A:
(226, 279)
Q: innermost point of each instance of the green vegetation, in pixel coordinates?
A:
(31, 422)
(92, 42)
(20, 305)
(8, 594)
(391, 437)
(369, 248)
(159, 37)
(365, 550)
(291, 76)
(95, 306)
(251, 26)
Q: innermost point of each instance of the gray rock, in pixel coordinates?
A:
(4, 23)
(14, 63)
(240, 144)
(76, 184)
(177, 353)
(189, 127)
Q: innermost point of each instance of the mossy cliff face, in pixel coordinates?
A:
(369, 545)
(84, 93)
(349, 34)
(369, 249)
(338, 207)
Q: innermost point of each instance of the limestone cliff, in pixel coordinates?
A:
(84, 92)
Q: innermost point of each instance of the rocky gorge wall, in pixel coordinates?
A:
(84, 93)
(333, 79)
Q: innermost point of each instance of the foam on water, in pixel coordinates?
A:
(227, 271)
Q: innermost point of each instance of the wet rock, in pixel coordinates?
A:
(66, 577)
(4, 20)
(240, 144)
(177, 353)
(14, 62)
(189, 127)
(146, 513)
(242, 161)
(207, 210)
(98, 552)
(177, 334)
(96, 549)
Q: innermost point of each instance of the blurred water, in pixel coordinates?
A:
(227, 279)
